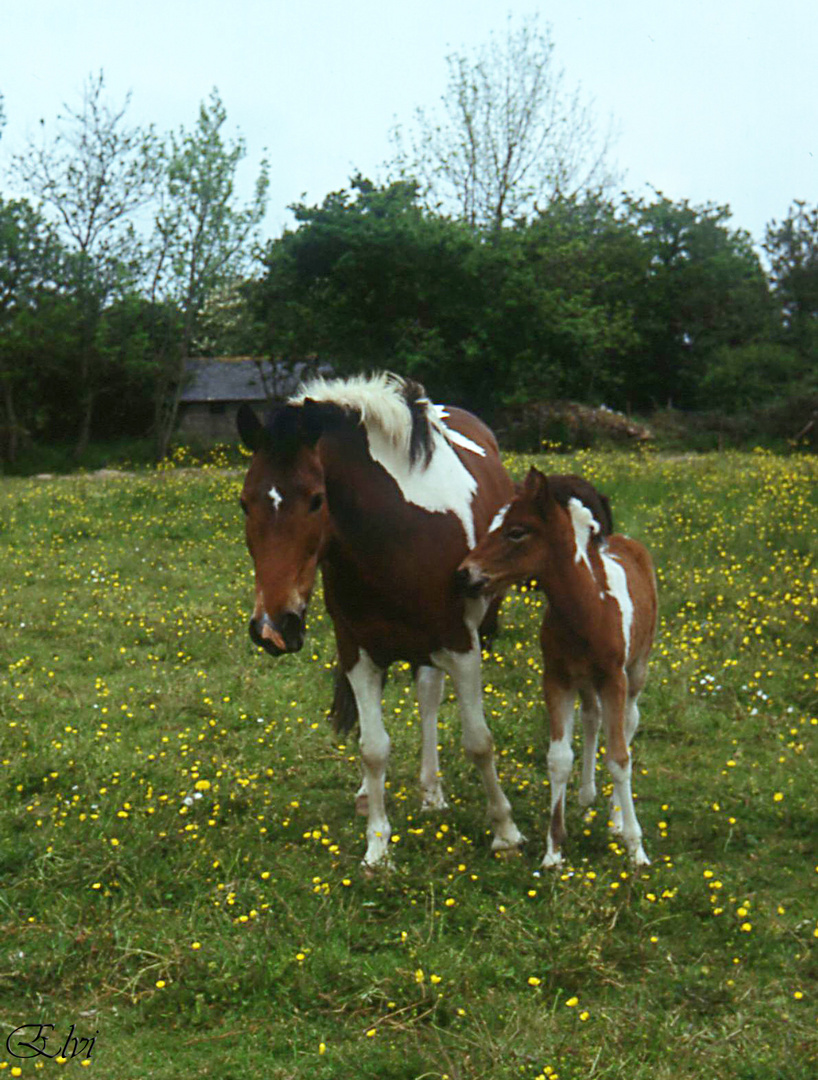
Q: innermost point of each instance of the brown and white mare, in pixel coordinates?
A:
(595, 637)
(387, 493)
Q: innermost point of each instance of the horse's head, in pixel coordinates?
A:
(286, 521)
(517, 543)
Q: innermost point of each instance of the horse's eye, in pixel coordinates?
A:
(244, 507)
(316, 502)
(516, 533)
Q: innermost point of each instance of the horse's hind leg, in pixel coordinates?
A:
(429, 687)
(620, 724)
(366, 680)
(464, 669)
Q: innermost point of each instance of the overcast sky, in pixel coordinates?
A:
(713, 100)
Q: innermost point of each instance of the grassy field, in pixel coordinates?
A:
(180, 859)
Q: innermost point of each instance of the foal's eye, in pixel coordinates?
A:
(316, 502)
(516, 533)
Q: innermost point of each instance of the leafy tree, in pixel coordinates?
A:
(510, 135)
(792, 248)
(91, 178)
(704, 290)
(201, 241)
(30, 257)
(369, 279)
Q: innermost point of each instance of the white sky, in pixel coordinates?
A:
(714, 100)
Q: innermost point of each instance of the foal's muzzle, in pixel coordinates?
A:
(469, 581)
(285, 634)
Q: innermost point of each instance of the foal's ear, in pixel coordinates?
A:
(538, 490)
(250, 427)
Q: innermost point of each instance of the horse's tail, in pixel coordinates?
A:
(343, 713)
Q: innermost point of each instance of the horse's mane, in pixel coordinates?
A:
(397, 407)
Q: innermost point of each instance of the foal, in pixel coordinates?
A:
(595, 638)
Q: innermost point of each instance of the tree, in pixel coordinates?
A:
(30, 256)
(91, 179)
(202, 238)
(792, 248)
(510, 135)
(704, 291)
(369, 279)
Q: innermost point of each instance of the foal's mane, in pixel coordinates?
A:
(397, 407)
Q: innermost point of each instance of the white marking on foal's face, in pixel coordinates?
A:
(275, 496)
(499, 518)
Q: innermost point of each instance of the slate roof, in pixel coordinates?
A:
(239, 378)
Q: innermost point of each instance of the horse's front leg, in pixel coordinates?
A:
(464, 669)
(429, 687)
(366, 680)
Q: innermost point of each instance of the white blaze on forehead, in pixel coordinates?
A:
(444, 485)
(585, 525)
(499, 518)
(618, 589)
(275, 496)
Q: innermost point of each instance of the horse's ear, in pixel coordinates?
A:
(538, 490)
(250, 427)
(312, 420)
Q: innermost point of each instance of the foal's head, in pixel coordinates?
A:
(286, 521)
(519, 545)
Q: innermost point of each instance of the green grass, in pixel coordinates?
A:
(180, 858)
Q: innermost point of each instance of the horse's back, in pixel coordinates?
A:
(477, 448)
(641, 578)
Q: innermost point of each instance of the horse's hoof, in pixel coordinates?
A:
(551, 860)
(432, 802)
(509, 844)
(373, 867)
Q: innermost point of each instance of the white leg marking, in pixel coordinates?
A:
(429, 687)
(623, 812)
(464, 669)
(365, 680)
(560, 762)
(591, 720)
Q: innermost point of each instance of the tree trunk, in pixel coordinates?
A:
(87, 401)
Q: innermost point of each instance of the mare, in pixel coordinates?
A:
(595, 637)
(387, 493)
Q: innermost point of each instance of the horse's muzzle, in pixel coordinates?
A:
(469, 581)
(279, 636)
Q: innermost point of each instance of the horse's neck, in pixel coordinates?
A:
(569, 578)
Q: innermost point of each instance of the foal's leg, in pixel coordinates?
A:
(559, 701)
(429, 686)
(464, 669)
(366, 681)
(616, 706)
(591, 720)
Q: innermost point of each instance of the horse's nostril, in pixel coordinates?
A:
(292, 628)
